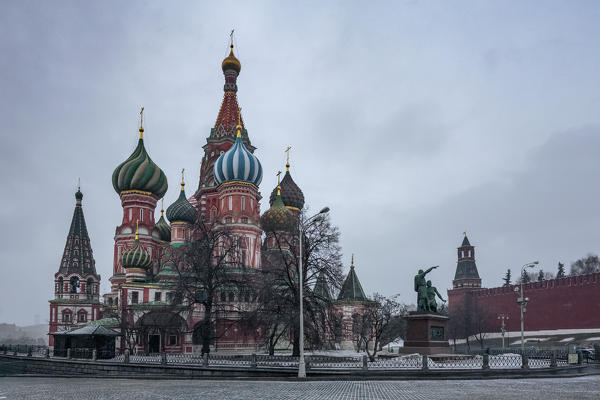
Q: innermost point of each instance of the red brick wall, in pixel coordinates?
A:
(567, 303)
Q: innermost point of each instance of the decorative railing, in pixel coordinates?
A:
(495, 359)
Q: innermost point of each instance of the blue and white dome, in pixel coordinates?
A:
(238, 164)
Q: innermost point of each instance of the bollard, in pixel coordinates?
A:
(94, 355)
(524, 361)
(365, 363)
(47, 352)
(126, 356)
(486, 361)
(425, 363)
(205, 356)
(253, 361)
(553, 359)
(163, 358)
(69, 354)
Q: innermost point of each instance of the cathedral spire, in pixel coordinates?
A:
(77, 256)
(228, 118)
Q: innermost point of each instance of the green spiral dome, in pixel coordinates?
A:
(139, 172)
(136, 257)
(278, 217)
(164, 230)
(181, 210)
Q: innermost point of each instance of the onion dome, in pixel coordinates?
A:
(136, 257)
(238, 164)
(231, 62)
(291, 194)
(277, 218)
(140, 173)
(181, 210)
(164, 230)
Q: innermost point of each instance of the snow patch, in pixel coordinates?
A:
(567, 339)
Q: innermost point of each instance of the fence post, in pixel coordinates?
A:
(425, 363)
(553, 359)
(16, 350)
(486, 361)
(307, 363)
(579, 357)
(365, 363)
(47, 352)
(94, 355)
(524, 361)
(163, 358)
(126, 356)
(205, 356)
(253, 361)
(69, 353)
(5, 349)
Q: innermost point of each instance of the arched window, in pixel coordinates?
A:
(67, 316)
(61, 286)
(74, 284)
(89, 286)
(82, 316)
(110, 301)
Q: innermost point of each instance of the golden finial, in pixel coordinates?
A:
(79, 184)
(141, 123)
(182, 182)
(137, 227)
(278, 184)
(287, 158)
(162, 206)
(352, 262)
(464, 233)
(239, 125)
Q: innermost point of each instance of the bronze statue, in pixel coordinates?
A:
(421, 289)
(431, 293)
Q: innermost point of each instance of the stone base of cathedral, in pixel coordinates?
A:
(426, 334)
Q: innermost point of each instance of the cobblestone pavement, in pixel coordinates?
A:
(130, 389)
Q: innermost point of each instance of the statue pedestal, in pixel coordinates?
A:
(426, 334)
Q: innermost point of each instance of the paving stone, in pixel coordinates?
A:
(133, 389)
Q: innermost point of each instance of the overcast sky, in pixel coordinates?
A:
(414, 121)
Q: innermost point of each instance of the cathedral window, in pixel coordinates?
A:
(228, 220)
(157, 296)
(60, 286)
(130, 214)
(244, 220)
(230, 203)
(172, 340)
(243, 203)
(134, 297)
(89, 286)
(81, 316)
(141, 215)
(110, 301)
(67, 316)
(74, 283)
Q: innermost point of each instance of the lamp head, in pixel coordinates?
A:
(324, 210)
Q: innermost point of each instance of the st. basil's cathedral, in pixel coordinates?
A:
(142, 284)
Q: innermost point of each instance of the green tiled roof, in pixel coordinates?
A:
(352, 289)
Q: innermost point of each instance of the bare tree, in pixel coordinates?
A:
(586, 265)
(209, 265)
(278, 306)
(378, 324)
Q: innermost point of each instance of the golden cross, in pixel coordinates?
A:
(231, 37)
(78, 183)
(182, 170)
(287, 152)
(142, 117)
(465, 233)
(352, 260)
(240, 116)
(278, 174)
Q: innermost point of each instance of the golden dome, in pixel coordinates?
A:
(231, 62)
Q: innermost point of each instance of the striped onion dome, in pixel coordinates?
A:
(139, 172)
(136, 257)
(164, 230)
(238, 164)
(181, 210)
(278, 217)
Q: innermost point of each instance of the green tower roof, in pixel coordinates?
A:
(352, 289)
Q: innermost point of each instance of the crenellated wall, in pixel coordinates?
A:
(568, 303)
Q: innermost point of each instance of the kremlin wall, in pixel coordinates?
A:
(569, 303)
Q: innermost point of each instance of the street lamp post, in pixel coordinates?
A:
(502, 318)
(301, 363)
(522, 301)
